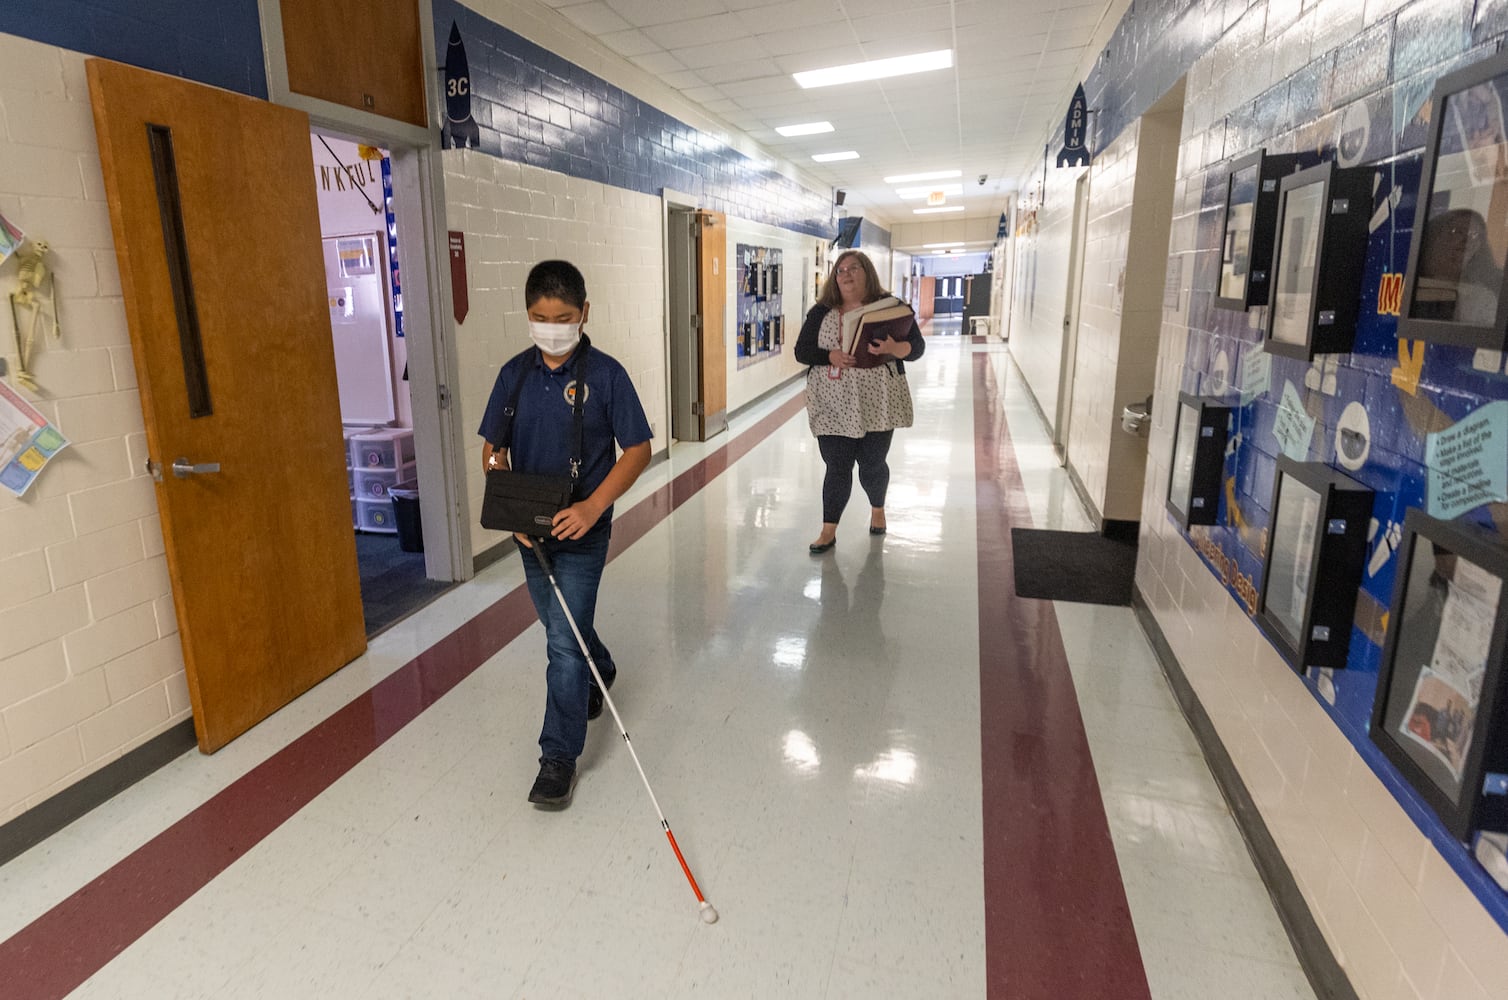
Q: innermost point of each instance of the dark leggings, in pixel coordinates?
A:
(840, 453)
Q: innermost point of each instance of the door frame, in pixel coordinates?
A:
(1070, 349)
(676, 208)
(674, 205)
(418, 208)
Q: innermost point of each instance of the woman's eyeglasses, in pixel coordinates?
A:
(850, 270)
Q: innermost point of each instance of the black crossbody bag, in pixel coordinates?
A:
(527, 502)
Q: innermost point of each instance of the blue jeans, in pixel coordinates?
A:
(578, 570)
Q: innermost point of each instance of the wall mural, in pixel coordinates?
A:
(1374, 413)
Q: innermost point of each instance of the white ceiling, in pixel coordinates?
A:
(1016, 63)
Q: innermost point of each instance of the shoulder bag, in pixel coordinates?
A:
(526, 502)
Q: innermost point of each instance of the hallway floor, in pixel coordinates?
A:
(891, 776)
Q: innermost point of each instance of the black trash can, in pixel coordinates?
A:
(405, 497)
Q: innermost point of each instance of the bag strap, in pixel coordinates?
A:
(578, 416)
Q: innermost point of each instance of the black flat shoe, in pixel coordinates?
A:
(816, 549)
(876, 531)
(556, 781)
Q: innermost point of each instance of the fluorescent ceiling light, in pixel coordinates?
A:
(934, 246)
(935, 175)
(875, 69)
(933, 211)
(922, 192)
(847, 154)
(808, 128)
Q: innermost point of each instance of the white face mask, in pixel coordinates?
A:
(555, 339)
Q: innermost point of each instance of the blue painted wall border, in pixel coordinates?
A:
(533, 106)
(218, 42)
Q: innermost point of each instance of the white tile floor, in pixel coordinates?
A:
(810, 729)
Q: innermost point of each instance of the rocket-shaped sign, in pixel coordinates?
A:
(1073, 153)
(460, 128)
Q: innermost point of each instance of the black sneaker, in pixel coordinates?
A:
(557, 778)
(594, 697)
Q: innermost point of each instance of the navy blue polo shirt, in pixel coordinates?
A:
(542, 427)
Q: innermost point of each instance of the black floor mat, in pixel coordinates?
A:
(1081, 566)
(393, 584)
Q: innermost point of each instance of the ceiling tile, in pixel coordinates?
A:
(717, 53)
(884, 36)
(703, 95)
(658, 62)
(684, 80)
(791, 14)
(785, 42)
(628, 43)
(641, 13)
(684, 32)
(832, 55)
(730, 72)
(594, 18)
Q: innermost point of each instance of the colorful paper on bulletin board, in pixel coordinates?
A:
(1294, 427)
(10, 238)
(27, 442)
(1468, 462)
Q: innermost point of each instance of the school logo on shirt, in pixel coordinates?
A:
(570, 393)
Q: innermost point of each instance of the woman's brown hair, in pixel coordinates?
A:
(873, 290)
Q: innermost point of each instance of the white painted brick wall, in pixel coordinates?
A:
(90, 665)
(515, 215)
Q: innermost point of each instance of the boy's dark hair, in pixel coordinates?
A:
(555, 279)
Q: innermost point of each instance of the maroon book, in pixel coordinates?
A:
(893, 322)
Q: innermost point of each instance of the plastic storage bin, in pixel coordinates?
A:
(383, 449)
(373, 484)
(376, 515)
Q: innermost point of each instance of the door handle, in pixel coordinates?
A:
(183, 468)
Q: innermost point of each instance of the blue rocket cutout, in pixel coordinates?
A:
(460, 128)
(1073, 153)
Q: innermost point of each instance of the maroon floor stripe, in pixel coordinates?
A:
(57, 952)
(1057, 925)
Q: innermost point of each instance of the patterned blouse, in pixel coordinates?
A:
(852, 402)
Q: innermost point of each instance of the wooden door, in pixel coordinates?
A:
(927, 300)
(712, 299)
(364, 54)
(217, 236)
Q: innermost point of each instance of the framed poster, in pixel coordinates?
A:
(1440, 700)
(1202, 425)
(1312, 568)
(1319, 250)
(1453, 291)
(1246, 233)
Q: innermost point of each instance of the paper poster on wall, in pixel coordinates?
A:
(358, 256)
(1440, 719)
(1294, 427)
(1460, 656)
(1256, 374)
(27, 442)
(342, 306)
(1468, 463)
(10, 238)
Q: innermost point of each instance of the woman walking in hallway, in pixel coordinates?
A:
(854, 411)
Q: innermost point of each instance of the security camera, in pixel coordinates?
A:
(983, 178)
